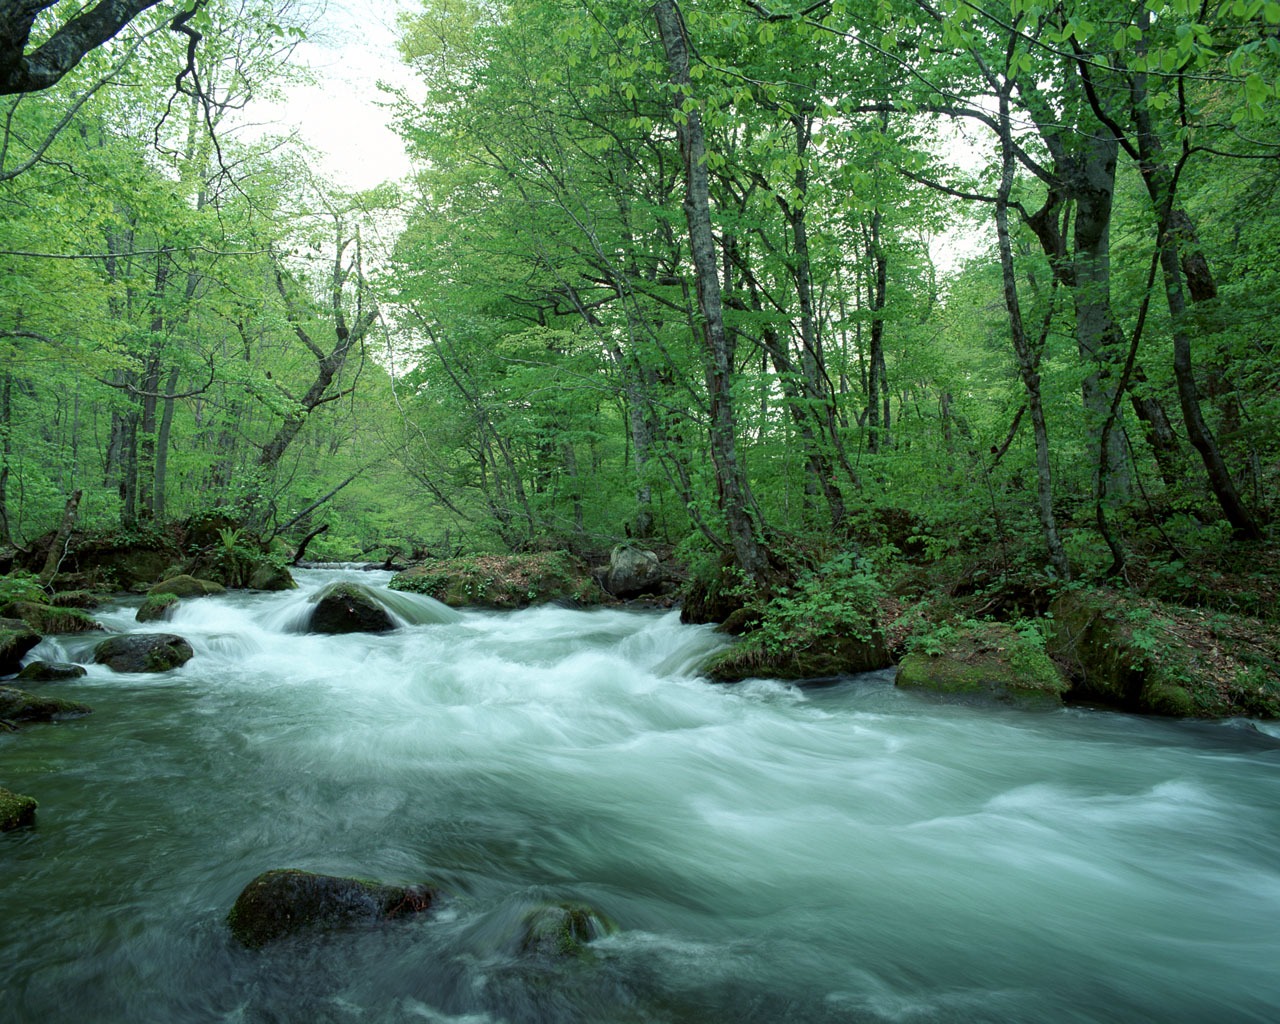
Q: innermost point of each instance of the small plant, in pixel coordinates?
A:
(230, 536)
(20, 586)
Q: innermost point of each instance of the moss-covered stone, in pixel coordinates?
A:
(287, 902)
(20, 706)
(271, 576)
(985, 659)
(157, 608)
(185, 585)
(562, 929)
(16, 638)
(825, 657)
(347, 607)
(83, 599)
(46, 618)
(1143, 656)
(503, 581)
(16, 811)
(50, 672)
(143, 652)
(238, 567)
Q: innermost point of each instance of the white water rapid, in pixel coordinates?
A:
(768, 854)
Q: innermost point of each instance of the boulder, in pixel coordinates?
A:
(16, 811)
(504, 581)
(825, 657)
(16, 638)
(143, 652)
(47, 618)
(1099, 637)
(157, 608)
(286, 902)
(989, 660)
(562, 929)
(186, 586)
(20, 706)
(633, 571)
(269, 576)
(348, 608)
(49, 672)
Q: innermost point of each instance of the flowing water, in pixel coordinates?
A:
(851, 853)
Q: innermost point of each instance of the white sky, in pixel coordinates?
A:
(352, 48)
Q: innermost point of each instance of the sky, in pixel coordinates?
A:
(351, 48)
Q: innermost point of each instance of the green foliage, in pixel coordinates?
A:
(21, 586)
(840, 598)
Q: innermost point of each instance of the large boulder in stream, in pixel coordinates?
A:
(562, 929)
(504, 581)
(157, 608)
(16, 638)
(143, 652)
(19, 706)
(633, 571)
(48, 618)
(287, 902)
(349, 608)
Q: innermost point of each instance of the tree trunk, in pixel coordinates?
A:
(1028, 357)
(731, 482)
(1161, 183)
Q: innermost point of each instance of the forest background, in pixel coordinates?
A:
(898, 312)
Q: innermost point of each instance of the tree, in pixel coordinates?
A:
(25, 69)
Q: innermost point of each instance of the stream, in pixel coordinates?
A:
(849, 853)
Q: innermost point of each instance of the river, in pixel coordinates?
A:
(849, 853)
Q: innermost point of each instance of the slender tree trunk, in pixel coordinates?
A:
(162, 444)
(731, 482)
(1160, 182)
(6, 454)
(1028, 356)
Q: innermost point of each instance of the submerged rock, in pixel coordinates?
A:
(16, 638)
(633, 571)
(288, 902)
(50, 672)
(143, 652)
(349, 608)
(16, 811)
(562, 929)
(186, 586)
(20, 706)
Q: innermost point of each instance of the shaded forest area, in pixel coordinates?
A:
(895, 328)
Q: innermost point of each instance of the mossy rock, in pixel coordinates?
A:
(50, 672)
(989, 660)
(287, 902)
(823, 658)
(46, 618)
(16, 638)
(562, 929)
(239, 568)
(714, 594)
(186, 586)
(20, 706)
(348, 608)
(143, 652)
(16, 811)
(82, 599)
(504, 581)
(157, 608)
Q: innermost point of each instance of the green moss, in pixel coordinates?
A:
(157, 607)
(562, 929)
(825, 657)
(45, 618)
(990, 659)
(20, 706)
(16, 811)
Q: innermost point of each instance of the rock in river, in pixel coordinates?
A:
(349, 608)
(287, 902)
(143, 652)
